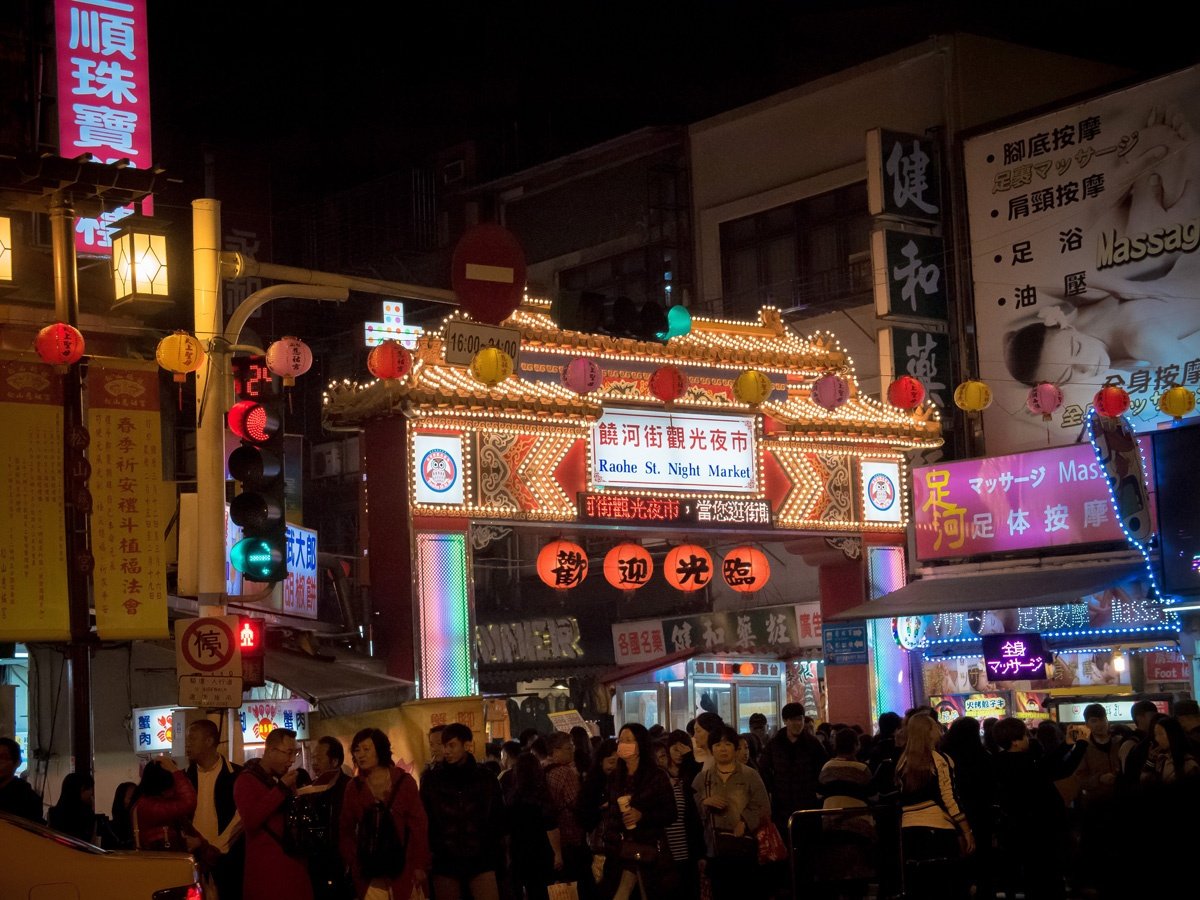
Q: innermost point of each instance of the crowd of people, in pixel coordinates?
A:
(917, 808)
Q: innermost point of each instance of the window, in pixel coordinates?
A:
(807, 257)
(642, 274)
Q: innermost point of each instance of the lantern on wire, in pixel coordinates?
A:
(1111, 400)
(582, 375)
(562, 565)
(180, 354)
(906, 392)
(491, 365)
(1043, 399)
(628, 566)
(390, 361)
(289, 358)
(752, 387)
(688, 567)
(1177, 401)
(830, 391)
(746, 569)
(973, 396)
(60, 345)
(668, 384)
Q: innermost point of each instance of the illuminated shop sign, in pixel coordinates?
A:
(1014, 657)
(529, 641)
(609, 508)
(153, 728)
(882, 501)
(438, 469)
(259, 718)
(1118, 711)
(674, 451)
(1025, 501)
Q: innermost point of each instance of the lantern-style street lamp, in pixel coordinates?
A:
(139, 263)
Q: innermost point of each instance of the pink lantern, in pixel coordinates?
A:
(59, 344)
(1043, 399)
(906, 392)
(289, 357)
(582, 375)
(830, 391)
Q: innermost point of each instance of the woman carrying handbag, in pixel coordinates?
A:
(733, 804)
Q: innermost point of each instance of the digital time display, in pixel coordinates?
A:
(252, 380)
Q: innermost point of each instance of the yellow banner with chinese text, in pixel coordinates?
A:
(129, 583)
(33, 542)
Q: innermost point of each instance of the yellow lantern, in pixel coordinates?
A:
(180, 353)
(972, 396)
(1177, 401)
(491, 365)
(752, 387)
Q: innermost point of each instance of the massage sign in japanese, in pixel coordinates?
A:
(1014, 657)
(1026, 501)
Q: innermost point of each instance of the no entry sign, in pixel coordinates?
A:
(487, 272)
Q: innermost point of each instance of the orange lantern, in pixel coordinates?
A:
(390, 360)
(59, 344)
(628, 566)
(688, 567)
(562, 565)
(746, 569)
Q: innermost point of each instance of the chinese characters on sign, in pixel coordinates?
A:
(153, 729)
(1026, 501)
(208, 663)
(104, 95)
(902, 176)
(1014, 657)
(529, 641)
(260, 718)
(609, 508)
(661, 450)
(910, 283)
(300, 586)
(925, 355)
(768, 629)
(845, 644)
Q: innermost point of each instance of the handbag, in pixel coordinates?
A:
(637, 851)
(771, 847)
(733, 846)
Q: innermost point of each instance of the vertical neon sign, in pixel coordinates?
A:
(447, 646)
(890, 669)
(103, 96)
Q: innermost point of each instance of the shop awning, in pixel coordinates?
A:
(336, 686)
(992, 589)
(641, 668)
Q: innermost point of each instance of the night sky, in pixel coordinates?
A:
(338, 93)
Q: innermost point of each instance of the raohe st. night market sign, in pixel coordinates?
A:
(1024, 501)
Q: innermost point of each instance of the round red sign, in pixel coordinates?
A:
(208, 645)
(487, 272)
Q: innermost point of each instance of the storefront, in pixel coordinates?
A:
(655, 489)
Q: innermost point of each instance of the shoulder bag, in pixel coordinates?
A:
(726, 844)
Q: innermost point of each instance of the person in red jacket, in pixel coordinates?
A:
(379, 780)
(261, 793)
(163, 802)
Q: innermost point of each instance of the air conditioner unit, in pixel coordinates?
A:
(326, 460)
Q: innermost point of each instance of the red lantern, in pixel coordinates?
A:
(688, 568)
(746, 569)
(906, 392)
(668, 384)
(1043, 399)
(628, 566)
(59, 344)
(390, 360)
(562, 565)
(1111, 400)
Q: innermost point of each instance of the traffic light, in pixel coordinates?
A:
(252, 642)
(257, 420)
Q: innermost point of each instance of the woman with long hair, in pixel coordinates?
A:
(535, 842)
(116, 832)
(685, 836)
(704, 725)
(75, 811)
(931, 822)
(975, 787)
(583, 749)
(1171, 755)
(163, 805)
(641, 805)
(379, 780)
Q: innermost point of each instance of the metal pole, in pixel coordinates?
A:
(77, 503)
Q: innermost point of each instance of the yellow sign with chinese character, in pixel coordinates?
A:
(33, 542)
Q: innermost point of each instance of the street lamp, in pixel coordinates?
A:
(6, 253)
(139, 263)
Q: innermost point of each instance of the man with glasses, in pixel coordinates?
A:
(263, 792)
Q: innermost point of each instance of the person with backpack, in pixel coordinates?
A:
(467, 822)
(383, 832)
(263, 792)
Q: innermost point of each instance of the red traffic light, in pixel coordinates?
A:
(251, 636)
(253, 421)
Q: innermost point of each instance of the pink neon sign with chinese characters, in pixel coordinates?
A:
(104, 95)
(1026, 501)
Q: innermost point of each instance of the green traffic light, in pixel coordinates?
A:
(258, 559)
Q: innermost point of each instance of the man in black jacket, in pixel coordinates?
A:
(790, 766)
(219, 843)
(466, 821)
(17, 795)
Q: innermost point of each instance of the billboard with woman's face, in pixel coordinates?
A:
(1085, 254)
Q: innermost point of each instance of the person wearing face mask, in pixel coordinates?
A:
(641, 804)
